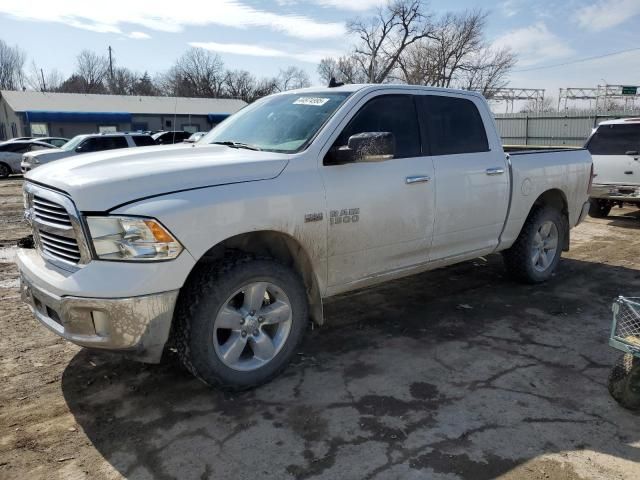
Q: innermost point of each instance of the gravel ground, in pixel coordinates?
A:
(457, 373)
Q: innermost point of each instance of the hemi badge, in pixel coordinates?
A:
(313, 217)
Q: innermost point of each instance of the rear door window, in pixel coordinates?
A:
(451, 125)
(143, 140)
(615, 140)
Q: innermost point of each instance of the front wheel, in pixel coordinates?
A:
(599, 208)
(5, 171)
(239, 323)
(535, 254)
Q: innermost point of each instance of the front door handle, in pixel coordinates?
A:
(494, 171)
(417, 179)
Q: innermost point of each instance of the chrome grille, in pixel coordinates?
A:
(49, 212)
(57, 230)
(59, 246)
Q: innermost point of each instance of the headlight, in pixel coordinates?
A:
(131, 238)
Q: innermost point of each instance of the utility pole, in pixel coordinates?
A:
(110, 64)
(44, 85)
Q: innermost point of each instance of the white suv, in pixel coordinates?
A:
(84, 144)
(615, 149)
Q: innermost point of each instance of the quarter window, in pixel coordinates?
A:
(387, 113)
(453, 125)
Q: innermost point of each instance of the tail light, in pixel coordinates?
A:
(591, 175)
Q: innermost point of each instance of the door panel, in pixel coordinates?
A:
(378, 220)
(472, 181)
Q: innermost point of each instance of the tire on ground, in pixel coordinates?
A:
(518, 258)
(205, 294)
(624, 381)
(5, 170)
(599, 208)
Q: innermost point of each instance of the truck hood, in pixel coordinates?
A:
(103, 180)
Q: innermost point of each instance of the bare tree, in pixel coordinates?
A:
(487, 71)
(38, 79)
(344, 69)
(291, 78)
(123, 81)
(91, 72)
(548, 104)
(12, 61)
(383, 38)
(197, 73)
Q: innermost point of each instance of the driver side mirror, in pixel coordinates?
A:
(81, 148)
(368, 147)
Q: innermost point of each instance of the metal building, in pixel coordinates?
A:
(551, 128)
(68, 114)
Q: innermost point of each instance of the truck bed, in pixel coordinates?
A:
(524, 149)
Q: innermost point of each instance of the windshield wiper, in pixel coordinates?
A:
(238, 145)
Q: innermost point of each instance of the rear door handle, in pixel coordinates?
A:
(494, 171)
(417, 179)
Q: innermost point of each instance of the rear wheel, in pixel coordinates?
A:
(624, 381)
(535, 254)
(239, 323)
(5, 171)
(599, 208)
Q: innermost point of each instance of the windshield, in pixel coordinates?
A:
(281, 123)
(73, 143)
(615, 140)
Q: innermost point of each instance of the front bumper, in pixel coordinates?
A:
(617, 193)
(122, 316)
(136, 325)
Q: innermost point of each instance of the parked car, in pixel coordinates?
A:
(615, 149)
(85, 144)
(55, 141)
(166, 138)
(11, 154)
(195, 137)
(229, 245)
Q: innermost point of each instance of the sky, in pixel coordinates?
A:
(264, 36)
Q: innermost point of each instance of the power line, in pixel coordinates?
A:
(581, 60)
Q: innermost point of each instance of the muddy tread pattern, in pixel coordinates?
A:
(517, 257)
(200, 285)
(620, 377)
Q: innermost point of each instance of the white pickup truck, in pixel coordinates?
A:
(615, 148)
(225, 248)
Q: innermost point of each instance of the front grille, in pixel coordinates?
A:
(50, 212)
(56, 227)
(59, 246)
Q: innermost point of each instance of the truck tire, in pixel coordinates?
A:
(624, 381)
(5, 170)
(239, 322)
(535, 254)
(599, 208)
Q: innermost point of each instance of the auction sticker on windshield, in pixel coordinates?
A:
(315, 101)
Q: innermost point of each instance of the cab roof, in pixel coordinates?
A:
(621, 121)
(356, 87)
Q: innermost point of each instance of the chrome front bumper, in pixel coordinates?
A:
(138, 326)
(618, 193)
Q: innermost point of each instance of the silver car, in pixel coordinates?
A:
(11, 153)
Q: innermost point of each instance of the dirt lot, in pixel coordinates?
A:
(457, 373)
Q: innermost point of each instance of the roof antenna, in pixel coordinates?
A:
(334, 84)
